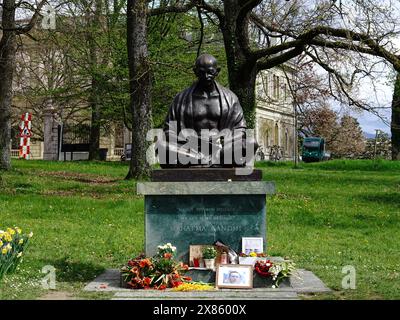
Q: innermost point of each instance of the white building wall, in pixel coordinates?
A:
(275, 112)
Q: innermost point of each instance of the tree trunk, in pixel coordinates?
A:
(95, 28)
(139, 86)
(7, 64)
(395, 124)
(242, 71)
(94, 141)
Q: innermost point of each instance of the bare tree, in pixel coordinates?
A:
(8, 48)
(140, 85)
(259, 35)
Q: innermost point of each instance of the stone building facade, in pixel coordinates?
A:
(275, 113)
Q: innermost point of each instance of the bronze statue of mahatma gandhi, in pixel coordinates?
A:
(205, 126)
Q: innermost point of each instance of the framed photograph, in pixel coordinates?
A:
(234, 276)
(252, 245)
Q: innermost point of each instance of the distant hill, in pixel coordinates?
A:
(368, 135)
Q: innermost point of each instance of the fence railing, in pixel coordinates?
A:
(118, 151)
(14, 153)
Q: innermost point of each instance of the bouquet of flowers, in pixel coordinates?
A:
(159, 272)
(253, 254)
(277, 270)
(12, 245)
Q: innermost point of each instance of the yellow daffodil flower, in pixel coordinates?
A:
(7, 236)
(21, 241)
(253, 254)
(19, 255)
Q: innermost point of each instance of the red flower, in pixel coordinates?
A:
(145, 263)
(187, 278)
(184, 266)
(177, 283)
(147, 281)
(131, 263)
(162, 287)
(167, 255)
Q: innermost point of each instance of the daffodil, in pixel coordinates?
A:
(4, 250)
(7, 236)
(1, 243)
(19, 255)
(30, 234)
(19, 231)
(253, 254)
(21, 241)
(11, 231)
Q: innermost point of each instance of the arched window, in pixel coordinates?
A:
(266, 139)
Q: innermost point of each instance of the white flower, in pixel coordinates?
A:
(273, 287)
(30, 235)
(19, 255)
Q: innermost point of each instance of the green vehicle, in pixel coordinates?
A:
(313, 149)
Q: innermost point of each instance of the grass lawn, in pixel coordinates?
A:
(86, 218)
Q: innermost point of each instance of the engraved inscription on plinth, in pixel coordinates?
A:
(203, 219)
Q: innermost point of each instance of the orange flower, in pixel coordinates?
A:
(187, 278)
(145, 263)
(167, 255)
(134, 270)
(147, 281)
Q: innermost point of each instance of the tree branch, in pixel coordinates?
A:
(268, 63)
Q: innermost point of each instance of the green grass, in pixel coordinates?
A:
(86, 217)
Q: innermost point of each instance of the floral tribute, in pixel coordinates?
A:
(159, 272)
(12, 245)
(277, 270)
(253, 254)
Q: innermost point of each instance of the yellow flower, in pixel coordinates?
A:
(7, 236)
(21, 241)
(1, 243)
(4, 250)
(253, 254)
(30, 235)
(19, 255)
(19, 231)
(11, 231)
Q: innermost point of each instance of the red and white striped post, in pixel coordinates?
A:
(25, 136)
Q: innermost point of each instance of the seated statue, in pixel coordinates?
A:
(205, 126)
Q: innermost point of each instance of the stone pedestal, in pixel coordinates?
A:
(50, 133)
(186, 213)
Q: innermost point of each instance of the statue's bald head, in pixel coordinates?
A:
(206, 67)
(206, 60)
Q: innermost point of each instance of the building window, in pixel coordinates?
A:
(266, 139)
(265, 83)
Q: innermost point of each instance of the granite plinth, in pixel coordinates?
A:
(203, 174)
(190, 213)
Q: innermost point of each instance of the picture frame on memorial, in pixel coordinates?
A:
(252, 244)
(234, 276)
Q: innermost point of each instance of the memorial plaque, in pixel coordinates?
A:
(185, 220)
